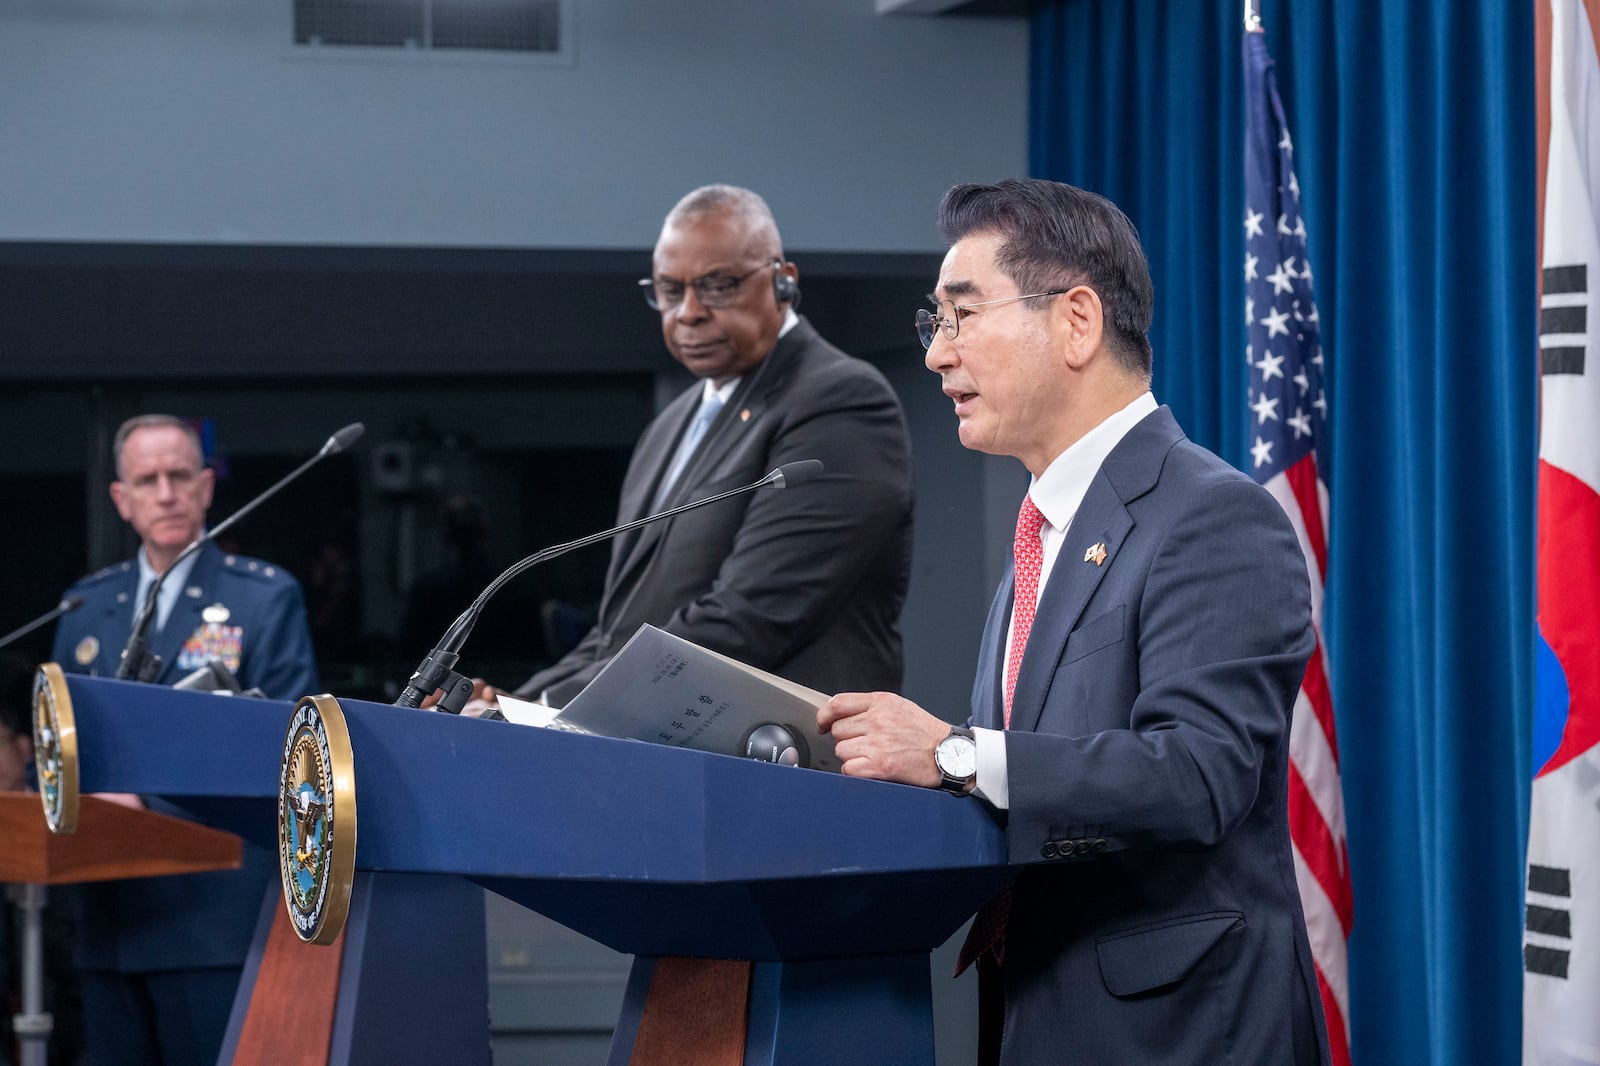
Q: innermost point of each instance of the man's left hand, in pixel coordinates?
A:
(883, 736)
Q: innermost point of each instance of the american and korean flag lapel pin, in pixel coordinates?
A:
(1095, 553)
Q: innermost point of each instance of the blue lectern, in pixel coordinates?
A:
(835, 889)
(407, 984)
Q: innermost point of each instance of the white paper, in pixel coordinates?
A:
(525, 712)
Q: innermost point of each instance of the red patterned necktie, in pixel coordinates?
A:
(1028, 551)
(988, 932)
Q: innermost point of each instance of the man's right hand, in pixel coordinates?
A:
(883, 736)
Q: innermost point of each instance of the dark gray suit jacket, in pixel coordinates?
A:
(805, 582)
(1148, 762)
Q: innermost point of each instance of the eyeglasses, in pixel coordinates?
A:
(712, 290)
(927, 320)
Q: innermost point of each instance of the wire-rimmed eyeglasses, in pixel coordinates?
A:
(712, 290)
(928, 320)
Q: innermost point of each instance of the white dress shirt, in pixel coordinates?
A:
(168, 596)
(1058, 493)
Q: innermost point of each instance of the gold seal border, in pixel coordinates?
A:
(341, 788)
(50, 691)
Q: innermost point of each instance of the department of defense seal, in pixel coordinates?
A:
(317, 820)
(55, 748)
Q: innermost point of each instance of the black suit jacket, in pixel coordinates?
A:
(1147, 759)
(805, 582)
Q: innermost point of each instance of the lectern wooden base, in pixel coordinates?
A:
(407, 981)
(288, 1017)
(798, 1013)
(694, 1011)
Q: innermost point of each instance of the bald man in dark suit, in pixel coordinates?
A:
(807, 583)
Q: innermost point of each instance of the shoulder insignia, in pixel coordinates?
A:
(103, 575)
(244, 566)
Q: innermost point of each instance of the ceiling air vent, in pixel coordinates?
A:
(506, 27)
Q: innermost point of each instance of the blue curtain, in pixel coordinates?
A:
(1415, 150)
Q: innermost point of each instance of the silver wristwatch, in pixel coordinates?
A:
(956, 756)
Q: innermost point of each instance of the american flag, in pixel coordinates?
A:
(1288, 451)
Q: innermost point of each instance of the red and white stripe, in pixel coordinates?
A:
(1316, 800)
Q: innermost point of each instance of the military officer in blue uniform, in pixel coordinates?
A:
(160, 958)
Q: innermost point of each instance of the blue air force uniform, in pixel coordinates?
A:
(185, 937)
(247, 612)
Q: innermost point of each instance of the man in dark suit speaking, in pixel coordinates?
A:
(807, 584)
(1131, 709)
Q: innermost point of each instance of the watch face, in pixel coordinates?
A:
(957, 757)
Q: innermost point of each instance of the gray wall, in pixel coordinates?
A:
(197, 120)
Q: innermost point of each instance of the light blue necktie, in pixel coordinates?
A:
(709, 406)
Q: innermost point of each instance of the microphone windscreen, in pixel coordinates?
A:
(344, 438)
(797, 473)
(774, 742)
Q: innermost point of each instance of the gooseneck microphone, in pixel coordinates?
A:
(69, 603)
(437, 671)
(137, 663)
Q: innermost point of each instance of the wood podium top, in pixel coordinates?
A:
(112, 842)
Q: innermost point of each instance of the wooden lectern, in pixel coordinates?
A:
(111, 842)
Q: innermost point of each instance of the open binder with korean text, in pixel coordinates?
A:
(663, 689)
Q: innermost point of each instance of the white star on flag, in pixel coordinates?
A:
(1283, 278)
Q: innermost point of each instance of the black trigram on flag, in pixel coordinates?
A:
(1549, 923)
(1564, 319)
